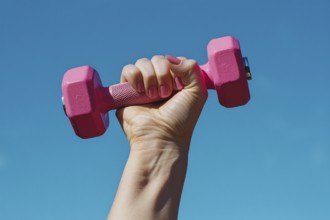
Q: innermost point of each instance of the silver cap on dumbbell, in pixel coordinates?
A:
(63, 104)
(247, 68)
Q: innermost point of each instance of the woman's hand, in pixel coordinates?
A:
(172, 120)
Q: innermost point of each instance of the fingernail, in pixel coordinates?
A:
(140, 86)
(164, 91)
(178, 83)
(173, 60)
(152, 92)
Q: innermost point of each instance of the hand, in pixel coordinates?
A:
(172, 120)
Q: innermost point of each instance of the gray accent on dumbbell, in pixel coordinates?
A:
(247, 68)
(63, 104)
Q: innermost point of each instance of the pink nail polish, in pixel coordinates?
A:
(173, 60)
(152, 92)
(178, 83)
(164, 91)
(140, 86)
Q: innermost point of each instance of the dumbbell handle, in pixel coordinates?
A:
(123, 94)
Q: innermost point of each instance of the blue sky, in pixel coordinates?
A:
(267, 160)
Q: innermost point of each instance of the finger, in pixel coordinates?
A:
(163, 74)
(187, 70)
(149, 77)
(133, 75)
(177, 82)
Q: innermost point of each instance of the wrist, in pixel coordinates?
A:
(157, 142)
(159, 157)
(152, 182)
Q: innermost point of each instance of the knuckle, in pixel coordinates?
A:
(157, 58)
(182, 58)
(142, 61)
(192, 64)
(129, 69)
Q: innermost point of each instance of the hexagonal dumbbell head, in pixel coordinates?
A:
(226, 72)
(83, 100)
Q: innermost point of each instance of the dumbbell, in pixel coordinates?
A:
(86, 102)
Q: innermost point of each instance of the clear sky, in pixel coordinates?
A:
(267, 160)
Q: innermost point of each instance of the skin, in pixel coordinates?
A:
(159, 135)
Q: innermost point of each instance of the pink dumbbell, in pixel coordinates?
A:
(86, 102)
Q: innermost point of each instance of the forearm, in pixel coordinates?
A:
(152, 182)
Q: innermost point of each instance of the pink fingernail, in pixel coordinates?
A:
(152, 92)
(173, 60)
(164, 91)
(178, 83)
(140, 86)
